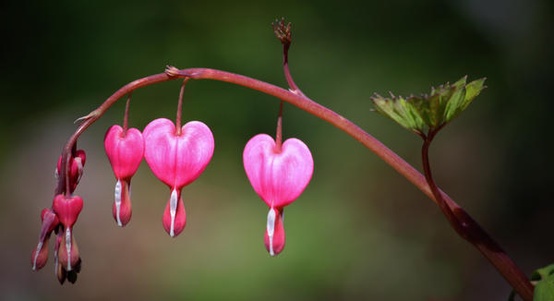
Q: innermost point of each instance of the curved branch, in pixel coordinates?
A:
(485, 244)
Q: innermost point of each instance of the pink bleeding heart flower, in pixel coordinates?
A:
(125, 149)
(77, 164)
(177, 156)
(278, 174)
(68, 261)
(67, 209)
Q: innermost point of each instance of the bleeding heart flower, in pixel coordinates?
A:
(125, 149)
(278, 174)
(177, 156)
(67, 209)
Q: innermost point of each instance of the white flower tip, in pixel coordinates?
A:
(271, 222)
(118, 190)
(173, 211)
(37, 253)
(270, 228)
(68, 247)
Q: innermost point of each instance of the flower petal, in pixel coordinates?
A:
(177, 160)
(277, 177)
(124, 150)
(274, 238)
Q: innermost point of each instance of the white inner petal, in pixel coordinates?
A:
(118, 202)
(270, 228)
(39, 247)
(173, 211)
(68, 247)
(56, 260)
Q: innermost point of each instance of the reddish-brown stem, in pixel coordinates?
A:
(279, 131)
(284, 34)
(446, 210)
(484, 243)
(88, 120)
(126, 115)
(470, 230)
(180, 108)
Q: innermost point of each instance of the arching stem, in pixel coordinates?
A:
(480, 239)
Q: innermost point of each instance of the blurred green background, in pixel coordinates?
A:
(359, 231)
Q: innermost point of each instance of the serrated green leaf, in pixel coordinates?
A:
(454, 105)
(544, 290)
(460, 83)
(473, 89)
(543, 273)
(400, 110)
(430, 112)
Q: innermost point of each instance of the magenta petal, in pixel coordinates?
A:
(277, 177)
(177, 160)
(124, 150)
(274, 238)
(67, 209)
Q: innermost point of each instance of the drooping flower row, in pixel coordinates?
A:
(177, 156)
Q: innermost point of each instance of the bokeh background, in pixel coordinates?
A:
(360, 231)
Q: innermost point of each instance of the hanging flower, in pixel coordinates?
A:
(278, 174)
(125, 149)
(177, 156)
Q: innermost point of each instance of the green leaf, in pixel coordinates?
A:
(430, 112)
(400, 110)
(544, 290)
(543, 273)
(544, 287)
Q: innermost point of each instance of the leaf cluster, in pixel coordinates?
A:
(429, 112)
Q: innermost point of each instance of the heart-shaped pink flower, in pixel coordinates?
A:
(177, 158)
(278, 174)
(125, 149)
(67, 209)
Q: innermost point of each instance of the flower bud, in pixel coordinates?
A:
(76, 168)
(40, 253)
